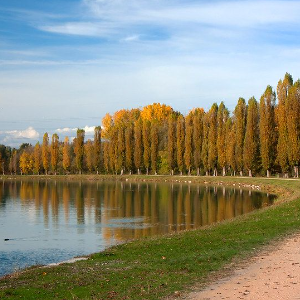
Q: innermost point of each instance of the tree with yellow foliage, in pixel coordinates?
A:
(79, 149)
(66, 155)
(37, 158)
(45, 152)
(54, 152)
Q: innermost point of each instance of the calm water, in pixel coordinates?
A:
(47, 221)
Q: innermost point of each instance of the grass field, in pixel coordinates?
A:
(164, 266)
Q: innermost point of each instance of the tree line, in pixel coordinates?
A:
(257, 138)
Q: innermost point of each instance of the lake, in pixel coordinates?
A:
(44, 222)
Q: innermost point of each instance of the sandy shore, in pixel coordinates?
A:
(273, 274)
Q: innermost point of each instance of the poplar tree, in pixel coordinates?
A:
(251, 144)
(197, 137)
(45, 152)
(129, 148)
(37, 158)
(138, 146)
(188, 143)
(66, 155)
(230, 145)
(180, 143)
(54, 152)
(120, 153)
(106, 157)
(222, 118)
(283, 142)
(240, 126)
(146, 144)
(212, 139)
(89, 155)
(204, 150)
(171, 143)
(79, 149)
(154, 147)
(293, 126)
(267, 132)
(97, 149)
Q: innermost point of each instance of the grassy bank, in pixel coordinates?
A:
(153, 268)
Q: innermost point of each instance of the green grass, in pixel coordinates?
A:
(153, 268)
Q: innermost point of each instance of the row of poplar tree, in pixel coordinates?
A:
(257, 138)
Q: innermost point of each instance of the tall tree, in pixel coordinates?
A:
(180, 143)
(204, 149)
(138, 145)
(188, 142)
(222, 117)
(240, 126)
(89, 155)
(97, 149)
(121, 151)
(230, 145)
(37, 158)
(267, 132)
(154, 146)
(251, 144)
(293, 126)
(197, 137)
(54, 152)
(79, 149)
(212, 139)
(129, 148)
(45, 152)
(172, 143)
(282, 146)
(66, 155)
(146, 144)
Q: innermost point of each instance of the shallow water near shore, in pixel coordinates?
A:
(43, 222)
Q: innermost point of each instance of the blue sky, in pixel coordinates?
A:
(64, 64)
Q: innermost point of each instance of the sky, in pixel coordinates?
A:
(64, 64)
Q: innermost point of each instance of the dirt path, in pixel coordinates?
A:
(271, 275)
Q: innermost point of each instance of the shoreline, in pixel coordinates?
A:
(282, 190)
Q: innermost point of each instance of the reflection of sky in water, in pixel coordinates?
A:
(48, 222)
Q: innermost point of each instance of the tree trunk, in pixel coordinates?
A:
(233, 172)
(198, 171)
(180, 173)
(172, 172)
(215, 172)
(224, 171)
(206, 173)
(250, 173)
(241, 173)
(147, 171)
(296, 171)
(268, 173)
(138, 171)
(130, 172)
(189, 173)
(122, 171)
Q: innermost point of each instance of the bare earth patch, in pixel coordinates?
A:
(270, 275)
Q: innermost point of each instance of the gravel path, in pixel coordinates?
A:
(271, 275)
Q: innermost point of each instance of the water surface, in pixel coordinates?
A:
(49, 221)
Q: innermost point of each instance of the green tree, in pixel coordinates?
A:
(89, 155)
(267, 132)
(79, 149)
(283, 142)
(121, 151)
(293, 126)
(251, 144)
(240, 126)
(154, 146)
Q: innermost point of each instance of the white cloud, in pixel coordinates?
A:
(29, 133)
(88, 130)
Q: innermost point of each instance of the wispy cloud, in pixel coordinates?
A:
(66, 130)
